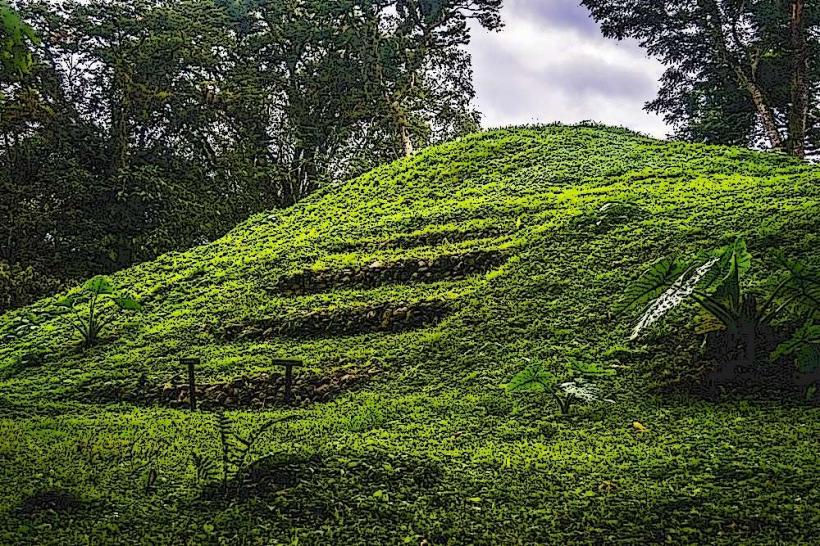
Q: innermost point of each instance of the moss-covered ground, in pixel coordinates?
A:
(430, 448)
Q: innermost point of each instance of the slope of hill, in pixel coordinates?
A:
(412, 294)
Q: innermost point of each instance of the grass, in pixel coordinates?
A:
(431, 448)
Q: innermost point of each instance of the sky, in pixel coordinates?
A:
(551, 63)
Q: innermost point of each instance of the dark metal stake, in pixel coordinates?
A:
(288, 364)
(288, 383)
(191, 362)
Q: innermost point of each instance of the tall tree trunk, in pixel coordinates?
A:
(767, 118)
(119, 121)
(747, 80)
(400, 119)
(799, 84)
(406, 141)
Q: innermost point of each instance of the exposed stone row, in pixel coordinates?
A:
(386, 317)
(433, 238)
(257, 392)
(447, 267)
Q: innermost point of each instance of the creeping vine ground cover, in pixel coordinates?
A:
(431, 447)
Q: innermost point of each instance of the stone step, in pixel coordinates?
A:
(415, 240)
(446, 267)
(386, 317)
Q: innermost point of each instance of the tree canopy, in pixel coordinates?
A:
(738, 72)
(145, 126)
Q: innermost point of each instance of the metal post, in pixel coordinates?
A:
(191, 363)
(288, 382)
(288, 364)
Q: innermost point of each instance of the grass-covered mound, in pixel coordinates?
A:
(427, 281)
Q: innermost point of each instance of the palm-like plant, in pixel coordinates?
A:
(87, 311)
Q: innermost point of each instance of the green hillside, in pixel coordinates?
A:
(413, 294)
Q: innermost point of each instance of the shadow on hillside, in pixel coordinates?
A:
(286, 478)
(716, 374)
(51, 501)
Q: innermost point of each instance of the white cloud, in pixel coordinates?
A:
(550, 65)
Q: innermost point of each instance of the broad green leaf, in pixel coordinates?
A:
(651, 284)
(676, 294)
(733, 262)
(807, 335)
(808, 359)
(99, 285)
(533, 378)
(128, 304)
(588, 392)
(66, 301)
(803, 285)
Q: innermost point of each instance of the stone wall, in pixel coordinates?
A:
(260, 391)
(386, 317)
(433, 238)
(448, 267)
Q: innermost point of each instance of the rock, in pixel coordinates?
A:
(321, 390)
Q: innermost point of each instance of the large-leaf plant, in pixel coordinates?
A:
(93, 308)
(577, 386)
(715, 283)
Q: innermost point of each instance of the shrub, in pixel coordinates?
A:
(20, 286)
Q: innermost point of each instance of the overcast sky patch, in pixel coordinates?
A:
(550, 63)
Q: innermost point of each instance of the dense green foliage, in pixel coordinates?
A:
(741, 73)
(430, 446)
(153, 125)
(16, 37)
(716, 284)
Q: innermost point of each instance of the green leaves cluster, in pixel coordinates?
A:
(16, 39)
(537, 378)
(88, 312)
(715, 283)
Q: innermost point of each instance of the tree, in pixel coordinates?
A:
(417, 63)
(146, 126)
(15, 39)
(737, 71)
